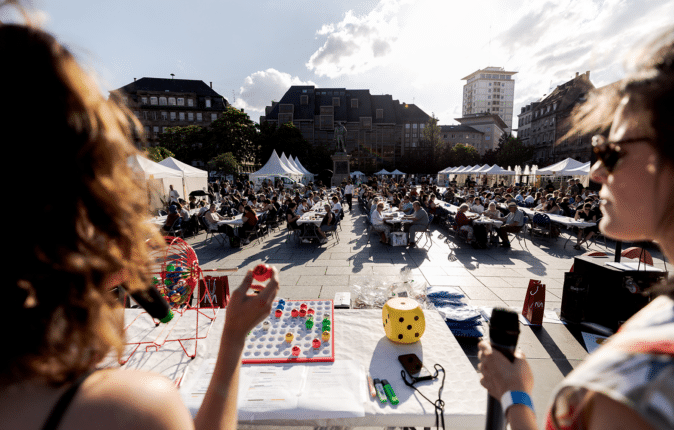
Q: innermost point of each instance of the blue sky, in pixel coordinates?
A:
(417, 51)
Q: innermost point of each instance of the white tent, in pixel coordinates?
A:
(302, 168)
(497, 170)
(582, 170)
(294, 166)
(297, 174)
(383, 172)
(397, 172)
(193, 179)
(273, 169)
(560, 169)
(158, 179)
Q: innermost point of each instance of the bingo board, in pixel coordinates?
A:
(286, 336)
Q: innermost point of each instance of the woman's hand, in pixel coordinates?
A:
(500, 375)
(245, 311)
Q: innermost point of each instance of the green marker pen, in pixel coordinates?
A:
(389, 392)
(380, 391)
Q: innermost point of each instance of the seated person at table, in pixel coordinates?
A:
(529, 200)
(373, 205)
(212, 217)
(249, 220)
(492, 212)
(184, 213)
(292, 217)
(336, 206)
(202, 208)
(193, 202)
(406, 206)
(513, 223)
(419, 222)
(378, 223)
(329, 219)
(588, 215)
(477, 206)
(432, 206)
(464, 223)
(303, 207)
(171, 218)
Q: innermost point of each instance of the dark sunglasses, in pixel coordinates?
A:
(610, 152)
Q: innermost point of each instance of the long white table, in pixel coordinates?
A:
(359, 336)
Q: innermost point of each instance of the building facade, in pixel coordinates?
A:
(550, 122)
(490, 125)
(452, 135)
(161, 103)
(490, 90)
(381, 131)
(524, 122)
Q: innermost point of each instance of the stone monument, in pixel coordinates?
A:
(340, 159)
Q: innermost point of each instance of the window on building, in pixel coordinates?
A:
(414, 135)
(173, 116)
(144, 100)
(144, 114)
(407, 135)
(199, 117)
(172, 101)
(214, 116)
(153, 101)
(366, 122)
(155, 129)
(147, 130)
(335, 101)
(327, 110)
(285, 117)
(190, 102)
(164, 116)
(190, 116)
(421, 126)
(327, 122)
(137, 114)
(380, 113)
(208, 102)
(181, 116)
(286, 108)
(414, 125)
(181, 101)
(407, 126)
(304, 100)
(163, 129)
(162, 101)
(354, 103)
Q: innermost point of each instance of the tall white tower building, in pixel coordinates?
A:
(490, 90)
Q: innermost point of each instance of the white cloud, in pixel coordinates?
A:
(358, 43)
(261, 87)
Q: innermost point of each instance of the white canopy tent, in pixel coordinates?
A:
(293, 165)
(383, 172)
(274, 169)
(193, 179)
(158, 179)
(297, 174)
(563, 168)
(397, 172)
(303, 169)
(581, 170)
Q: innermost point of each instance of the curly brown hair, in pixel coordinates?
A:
(87, 223)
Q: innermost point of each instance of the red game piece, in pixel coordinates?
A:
(262, 272)
(303, 313)
(294, 313)
(296, 350)
(303, 306)
(279, 313)
(310, 311)
(316, 343)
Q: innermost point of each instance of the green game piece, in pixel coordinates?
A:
(309, 324)
(155, 281)
(167, 282)
(170, 268)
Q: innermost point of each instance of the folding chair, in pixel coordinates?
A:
(520, 235)
(176, 229)
(212, 231)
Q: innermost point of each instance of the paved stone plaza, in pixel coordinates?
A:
(490, 277)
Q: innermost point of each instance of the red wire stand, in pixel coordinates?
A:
(177, 274)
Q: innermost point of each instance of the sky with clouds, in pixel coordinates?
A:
(417, 51)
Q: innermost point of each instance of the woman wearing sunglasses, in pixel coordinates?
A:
(629, 381)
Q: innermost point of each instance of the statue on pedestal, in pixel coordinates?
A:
(340, 138)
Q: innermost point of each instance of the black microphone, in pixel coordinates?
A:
(504, 329)
(154, 303)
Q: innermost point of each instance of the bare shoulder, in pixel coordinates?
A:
(128, 399)
(608, 414)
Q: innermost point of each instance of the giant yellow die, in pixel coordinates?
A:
(403, 320)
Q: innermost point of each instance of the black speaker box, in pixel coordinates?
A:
(597, 293)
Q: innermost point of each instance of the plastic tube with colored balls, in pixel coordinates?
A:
(381, 394)
(389, 392)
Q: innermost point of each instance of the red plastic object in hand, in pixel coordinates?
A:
(262, 272)
(296, 350)
(294, 313)
(256, 289)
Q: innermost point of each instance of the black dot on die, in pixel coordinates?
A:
(401, 319)
(409, 327)
(416, 334)
(384, 325)
(400, 336)
(416, 318)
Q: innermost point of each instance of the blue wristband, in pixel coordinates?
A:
(511, 398)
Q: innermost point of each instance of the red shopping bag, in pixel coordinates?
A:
(534, 302)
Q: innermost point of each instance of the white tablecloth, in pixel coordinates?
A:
(359, 336)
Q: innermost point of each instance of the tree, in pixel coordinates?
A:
(489, 157)
(224, 163)
(232, 132)
(513, 152)
(463, 155)
(158, 153)
(284, 139)
(184, 142)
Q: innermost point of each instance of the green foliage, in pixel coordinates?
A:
(513, 152)
(232, 132)
(431, 134)
(184, 142)
(158, 153)
(463, 155)
(224, 163)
